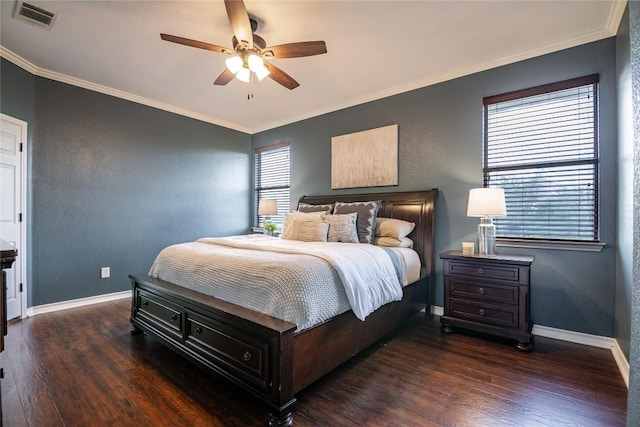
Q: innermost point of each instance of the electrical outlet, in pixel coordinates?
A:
(105, 272)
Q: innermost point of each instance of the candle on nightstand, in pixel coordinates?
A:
(468, 248)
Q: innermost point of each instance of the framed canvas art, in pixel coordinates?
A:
(365, 159)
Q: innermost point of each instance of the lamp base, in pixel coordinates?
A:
(486, 237)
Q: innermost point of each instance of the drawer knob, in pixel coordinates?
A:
(246, 356)
(174, 317)
(481, 270)
(197, 331)
(481, 311)
(145, 303)
(481, 291)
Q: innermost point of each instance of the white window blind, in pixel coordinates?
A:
(541, 147)
(272, 172)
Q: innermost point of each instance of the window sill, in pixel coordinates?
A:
(551, 244)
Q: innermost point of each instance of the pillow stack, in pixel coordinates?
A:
(346, 222)
(355, 222)
(393, 232)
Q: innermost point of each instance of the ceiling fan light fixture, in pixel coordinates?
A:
(243, 74)
(255, 63)
(261, 72)
(234, 64)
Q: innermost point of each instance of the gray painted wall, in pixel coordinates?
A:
(633, 408)
(624, 259)
(440, 145)
(113, 182)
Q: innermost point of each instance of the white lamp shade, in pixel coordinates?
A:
(486, 202)
(234, 64)
(255, 63)
(262, 72)
(243, 74)
(268, 207)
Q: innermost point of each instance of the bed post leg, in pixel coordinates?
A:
(283, 420)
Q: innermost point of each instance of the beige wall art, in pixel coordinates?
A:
(365, 159)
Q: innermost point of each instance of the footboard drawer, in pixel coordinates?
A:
(161, 312)
(238, 351)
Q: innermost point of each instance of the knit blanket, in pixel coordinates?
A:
(304, 283)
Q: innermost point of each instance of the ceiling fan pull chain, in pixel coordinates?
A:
(250, 91)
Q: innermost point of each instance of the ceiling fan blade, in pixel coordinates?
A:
(195, 43)
(295, 50)
(239, 19)
(281, 77)
(224, 78)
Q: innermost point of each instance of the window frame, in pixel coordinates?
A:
(536, 242)
(260, 188)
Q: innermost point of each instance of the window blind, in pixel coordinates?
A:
(541, 147)
(272, 176)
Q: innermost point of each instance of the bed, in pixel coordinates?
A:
(266, 356)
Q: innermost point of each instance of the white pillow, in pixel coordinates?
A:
(342, 228)
(392, 227)
(306, 229)
(289, 217)
(405, 242)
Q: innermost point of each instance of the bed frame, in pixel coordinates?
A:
(264, 355)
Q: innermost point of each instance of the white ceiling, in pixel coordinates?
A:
(375, 49)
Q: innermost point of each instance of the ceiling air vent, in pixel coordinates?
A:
(34, 15)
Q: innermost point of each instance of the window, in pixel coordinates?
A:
(541, 146)
(272, 180)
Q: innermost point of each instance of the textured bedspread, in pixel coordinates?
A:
(304, 283)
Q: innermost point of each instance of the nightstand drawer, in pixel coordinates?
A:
(502, 315)
(510, 273)
(462, 288)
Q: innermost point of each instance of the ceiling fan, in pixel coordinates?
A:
(247, 58)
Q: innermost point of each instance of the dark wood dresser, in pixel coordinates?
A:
(488, 294)
(8, 255)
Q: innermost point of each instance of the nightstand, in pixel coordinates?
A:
(488, 294)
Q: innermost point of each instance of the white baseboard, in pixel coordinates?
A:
(621, 361)
(578, 338)
(80, 302)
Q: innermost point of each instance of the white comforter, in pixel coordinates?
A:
(365, 271)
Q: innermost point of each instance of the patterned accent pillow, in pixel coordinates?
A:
(307, 230)
(366, 222)
(342, 228)
(392, 227)
(306, 207)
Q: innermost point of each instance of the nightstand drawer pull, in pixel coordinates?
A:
(174, 317)
(481, 270)
(481, 312)
(481, 291)
(197, 331)
(246, 356)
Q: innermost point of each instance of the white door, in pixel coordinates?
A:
(12, 228)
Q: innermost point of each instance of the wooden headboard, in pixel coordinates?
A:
(415, 206)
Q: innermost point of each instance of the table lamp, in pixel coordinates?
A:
(486, 203)
(266, 208)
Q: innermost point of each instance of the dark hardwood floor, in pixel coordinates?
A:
(82, 367)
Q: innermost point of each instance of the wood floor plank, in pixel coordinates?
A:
(82, 367)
